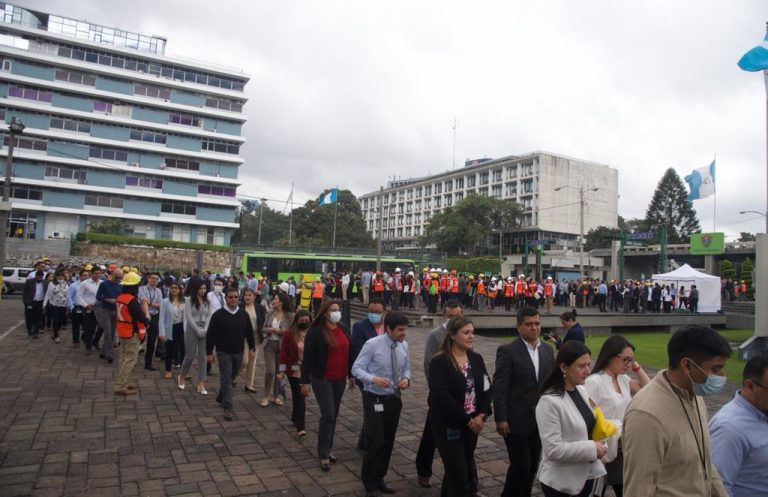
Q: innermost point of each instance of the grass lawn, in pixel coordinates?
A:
(651, 349)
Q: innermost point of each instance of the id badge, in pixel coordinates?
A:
(452, 434)
(378, 407)
(295, 367)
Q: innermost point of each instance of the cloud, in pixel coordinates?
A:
(354, 93)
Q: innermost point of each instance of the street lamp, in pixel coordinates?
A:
(764, 214)
(14, 129)
(582, 190)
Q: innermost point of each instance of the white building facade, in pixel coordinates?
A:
(116, 130)
(547, 186)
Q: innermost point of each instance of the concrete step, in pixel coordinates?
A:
(747, 308)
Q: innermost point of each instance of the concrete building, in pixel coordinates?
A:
(550, 217)
(116, 129)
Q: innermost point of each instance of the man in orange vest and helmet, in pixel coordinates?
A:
(131, 327)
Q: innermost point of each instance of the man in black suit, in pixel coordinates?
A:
(521, 367)
(33, 296)
(362, 331)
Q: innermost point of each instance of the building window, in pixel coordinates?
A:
(418, 192)
(143, 182)
(527, 186)
(484, 178)
(459, 197)
(29, 143)
(102, 107)
(104, 201)
(70, 125)
(210, 236)
(77, 78)
(22, 224)
(27, 193)
(68, 174)
(438, 188)
(178, 208)
(497, 175)
(187, 165)
(496, 191)
(471, 181)
(152, 91)
(483, 191)
(224, 104)
(108, 153)
(218, 191)
(448, 200)
(147, 136)
(30, 94)
(428, 190)
(512, 172)
(511, 189)
(185, 119)
(221, 146)
(459, 183)
(166, 232)
(449, 186)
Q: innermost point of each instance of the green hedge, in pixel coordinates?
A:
(474, 264)
(129, 240)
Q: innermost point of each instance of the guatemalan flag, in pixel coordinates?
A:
(701, 182)
(757, 60)
(328, 198)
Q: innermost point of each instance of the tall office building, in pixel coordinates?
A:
(115, 129)
(547, 186)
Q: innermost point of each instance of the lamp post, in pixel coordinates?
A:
(582, 190)
(764, 214)
(14, 129)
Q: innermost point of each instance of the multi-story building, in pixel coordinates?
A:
(116, 129)
(547, 186)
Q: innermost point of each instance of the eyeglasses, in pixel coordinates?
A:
(231, 296)
(758, 384)
(626, 359)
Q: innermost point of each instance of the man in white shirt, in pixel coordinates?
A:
(86, 299)
(151, 295)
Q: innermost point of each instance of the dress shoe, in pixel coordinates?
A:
(110, 360)
(150, 368)
(371, 493)
(332, 458)
(423, 481)
(228, 416)
(249, 389)
(384, 488)
(125, 392)
(325, 465)
(132, 387)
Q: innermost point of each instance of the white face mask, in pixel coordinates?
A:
(334, 316)
(218, 288)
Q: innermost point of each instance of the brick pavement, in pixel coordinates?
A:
(63, 432)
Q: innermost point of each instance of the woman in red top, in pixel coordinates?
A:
(291, 354)
(327, 365)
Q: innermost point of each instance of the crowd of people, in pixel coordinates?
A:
(574, 427)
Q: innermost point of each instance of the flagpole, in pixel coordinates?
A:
(290, 216)
(714, 218)
(335, 212)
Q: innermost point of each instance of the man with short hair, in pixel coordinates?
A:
(739, 434)
(227, 329)
(152, 296)
(107, 295)
(362, 331)
(426, 453)
(522, 366)
(666, 445)
(365, 285)
(384, 369)
(33, 296)
(86, 299)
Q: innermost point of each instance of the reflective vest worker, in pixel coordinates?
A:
(509, 288)
(378, 283)
(317, 290)
(454, 288)
(480, 286)
(131, 326)
(520, 287)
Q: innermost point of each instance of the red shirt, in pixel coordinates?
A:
(337, 364)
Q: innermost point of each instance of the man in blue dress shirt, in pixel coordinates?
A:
(739, 434)
(384, 369)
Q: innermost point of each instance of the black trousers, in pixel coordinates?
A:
(381, 416)
(77, 321)
(458, 455)
(34, 318)
(152, 332)
(585, 492)
(89, 328)
(298, 409)
(174, 348)
(524, 452)
(59, 319)
(426, 453)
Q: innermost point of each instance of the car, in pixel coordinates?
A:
(14, 278)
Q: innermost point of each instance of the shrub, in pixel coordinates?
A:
(129, 240)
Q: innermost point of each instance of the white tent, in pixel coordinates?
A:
(708, 285)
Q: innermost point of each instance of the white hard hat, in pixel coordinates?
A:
(397, 269)
(445, 271)
(509, 278)
(549, 277)
(521, 275)
(439, 270)
(284, 286)
(431, 270)
(410, 273)
(493, 278)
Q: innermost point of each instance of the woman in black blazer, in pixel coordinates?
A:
(460, 401)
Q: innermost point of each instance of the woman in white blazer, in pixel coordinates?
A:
(570, 459)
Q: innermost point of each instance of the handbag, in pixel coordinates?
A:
(603, 428)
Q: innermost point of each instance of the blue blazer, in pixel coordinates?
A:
(575, 333)
(362, 331)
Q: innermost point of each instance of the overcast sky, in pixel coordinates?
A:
(355, 92)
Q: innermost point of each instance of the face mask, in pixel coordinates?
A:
(335, 317)
(711, 386)
(302, 326)
(60, 281)
(374, 317)
(218, 288)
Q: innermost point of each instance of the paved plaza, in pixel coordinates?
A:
(64, 433)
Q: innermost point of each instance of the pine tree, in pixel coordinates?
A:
(727, 270)
(671, 209)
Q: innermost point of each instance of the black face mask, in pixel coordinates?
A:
(302, 326)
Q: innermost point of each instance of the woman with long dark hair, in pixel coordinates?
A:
(460, 401)
(570, 459)
(291, 355)
(327, 366)
(610, 387)
(257, 315)
(171, 328)
(277, 323)
(197, 313)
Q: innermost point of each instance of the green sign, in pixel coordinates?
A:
(707, 243)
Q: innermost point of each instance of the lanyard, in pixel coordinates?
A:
(701, 449)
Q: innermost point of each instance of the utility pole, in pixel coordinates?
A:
(381, 222)
(261, 219)
(15, 128)
(581, 232)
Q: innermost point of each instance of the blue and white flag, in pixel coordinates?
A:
(756, 59)
(701, 182)
(328, 198)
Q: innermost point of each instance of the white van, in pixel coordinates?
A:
(14, 278)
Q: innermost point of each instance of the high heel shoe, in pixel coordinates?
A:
(201, 390)
(179, 383)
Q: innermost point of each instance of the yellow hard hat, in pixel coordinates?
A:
(132, 278)
(481, 275)
(434, 275)
(88, 267)
(126, 269)
(134, 270)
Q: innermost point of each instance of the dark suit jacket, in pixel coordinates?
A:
(516, 387)
(28, 293)
(447, 387)
(362, 331)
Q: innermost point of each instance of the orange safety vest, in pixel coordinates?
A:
(125, 325)
(454, 284)
(492, 293)
(532, 287)
(397, 284)
(509, 289)
(744, 288)
(444, 283)
(378, 285)
(317, 291)
(547, 290)
(480, 288)
(521, 286)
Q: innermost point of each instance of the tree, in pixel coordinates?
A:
(746, 237)
(274, 225)
(671, 209)
(107, 227)
(747, 268)
(463, 227)
(313, 223)
(601, 237)
(726, 269)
